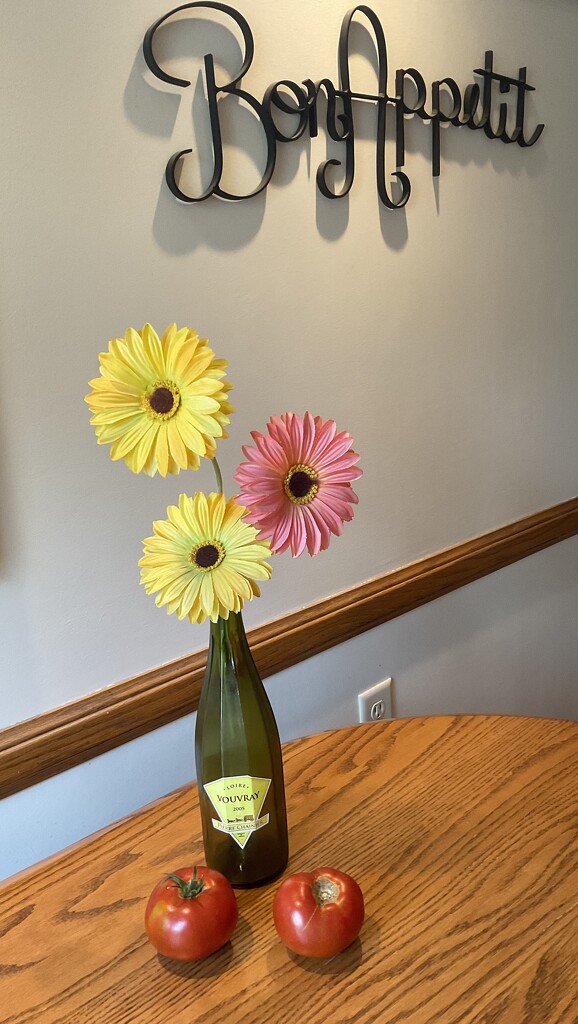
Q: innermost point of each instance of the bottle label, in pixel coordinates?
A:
(238, 800)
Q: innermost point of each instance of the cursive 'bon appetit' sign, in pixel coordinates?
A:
(443, 103)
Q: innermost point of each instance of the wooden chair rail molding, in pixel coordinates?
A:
(48, 744)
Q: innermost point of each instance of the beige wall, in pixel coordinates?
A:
(443, 336)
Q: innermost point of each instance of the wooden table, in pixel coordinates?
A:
(462, 831)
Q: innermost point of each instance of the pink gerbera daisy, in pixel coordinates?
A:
(297, 482)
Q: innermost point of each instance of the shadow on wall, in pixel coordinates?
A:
(18, 659)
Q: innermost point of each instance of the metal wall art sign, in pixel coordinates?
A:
(442, 103)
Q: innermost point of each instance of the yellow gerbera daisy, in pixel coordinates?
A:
(204, 559)
(160, 403)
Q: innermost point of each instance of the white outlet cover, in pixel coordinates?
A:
(367, 699)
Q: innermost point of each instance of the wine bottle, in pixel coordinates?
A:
(239, 764)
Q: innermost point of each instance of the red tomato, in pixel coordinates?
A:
(318, 913)
(191, 913)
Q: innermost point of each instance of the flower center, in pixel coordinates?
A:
(207, 556)
(163, 400)
(301, 484)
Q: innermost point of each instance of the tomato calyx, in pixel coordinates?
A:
(324, 891)
(188, 890)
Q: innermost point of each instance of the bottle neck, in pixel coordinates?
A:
(229, 652)
(228, 635)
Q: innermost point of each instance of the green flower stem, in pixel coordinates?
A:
(217, 469)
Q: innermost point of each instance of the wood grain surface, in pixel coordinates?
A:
(43, 746)
(462, 831)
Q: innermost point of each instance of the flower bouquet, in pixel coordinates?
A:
(162, 403)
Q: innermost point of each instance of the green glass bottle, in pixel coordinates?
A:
(239, 764)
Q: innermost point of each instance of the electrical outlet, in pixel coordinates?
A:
(374, 704)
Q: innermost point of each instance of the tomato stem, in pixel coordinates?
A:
(324, 891)
(188, 890)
